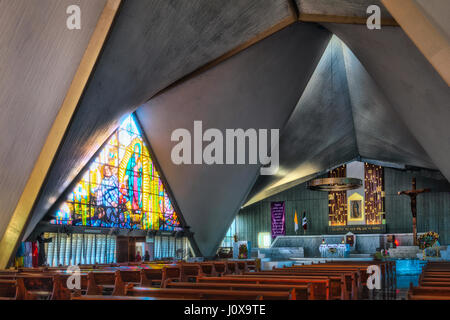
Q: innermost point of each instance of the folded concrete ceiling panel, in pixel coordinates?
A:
(320, 133)
(342, 115)
(412, 86)
(380, 133)
(258, 88)
(39, 56)
(151, 45)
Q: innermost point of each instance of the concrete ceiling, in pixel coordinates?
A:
(410, 84)
(38, 60)
(320, 132)
(241, 92)
(151, 45)
(341, 115)
(380, 99)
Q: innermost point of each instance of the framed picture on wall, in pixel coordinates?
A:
(355, 208)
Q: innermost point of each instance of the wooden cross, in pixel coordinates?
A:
(413, 194)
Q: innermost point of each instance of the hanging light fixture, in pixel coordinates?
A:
(335, 184)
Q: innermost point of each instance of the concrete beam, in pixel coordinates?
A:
(33, 102)
(425, 30)
(340, 11)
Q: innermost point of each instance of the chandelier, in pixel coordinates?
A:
(335, 184)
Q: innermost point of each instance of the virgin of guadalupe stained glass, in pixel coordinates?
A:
(121, 188)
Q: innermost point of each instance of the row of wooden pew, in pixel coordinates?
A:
(434, 283)
(234, 280)
(324, 281)
(114, 280)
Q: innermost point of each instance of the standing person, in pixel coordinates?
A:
(42, 259)
(138, 257)
(147, 256)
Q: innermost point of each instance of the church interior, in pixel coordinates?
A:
(135, 141)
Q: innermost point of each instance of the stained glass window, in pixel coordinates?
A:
(121, 189)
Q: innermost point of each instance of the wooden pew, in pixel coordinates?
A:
(60, 289)
(98, 298)
(37, 286)
(130, 276)
(211, 294)
(324, 288)
(358, 280)
(242, 266)
(171, 273)
(101, 282)
(151, 277)
(12, 272)
(190, 271)
(8, 290)
(435, 283)
(387, 268)
(232, 267)
(428, 293)
(208, 269)
(350, 279)
(14, 290)
(221, 268)
(95, 283)
(252, 265)
(302, 292)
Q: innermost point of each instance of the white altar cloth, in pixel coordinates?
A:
(334, 250)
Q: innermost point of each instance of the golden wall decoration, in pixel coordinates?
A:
(337, 201)
(374, 194)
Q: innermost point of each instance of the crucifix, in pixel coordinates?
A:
(412, 195)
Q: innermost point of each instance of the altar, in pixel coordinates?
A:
(334, 250)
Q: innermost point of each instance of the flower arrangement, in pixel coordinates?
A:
(428, 239)
(381, 254)
(243, 251)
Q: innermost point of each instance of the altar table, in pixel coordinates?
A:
(334, 250)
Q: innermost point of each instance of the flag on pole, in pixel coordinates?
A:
(295, 221)
(304, 221)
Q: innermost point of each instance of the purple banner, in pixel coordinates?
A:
(278, 219)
